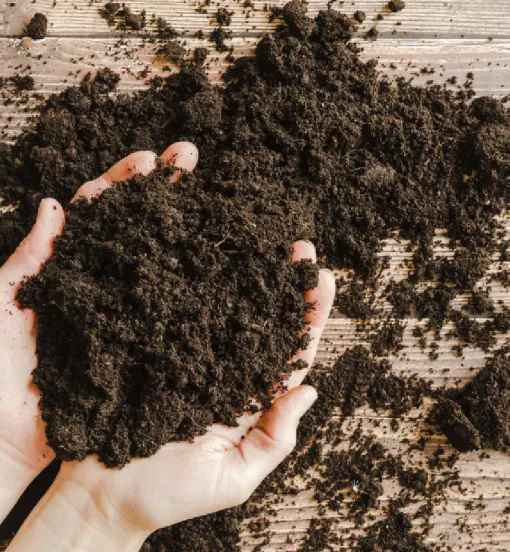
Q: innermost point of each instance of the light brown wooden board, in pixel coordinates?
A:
(420, 18)
(452, 37)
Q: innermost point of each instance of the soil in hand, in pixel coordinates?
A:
(165, 309)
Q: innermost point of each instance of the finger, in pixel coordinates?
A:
(138, 163)
(322, 298)
(273, 438)
(181, 155)
(37, 247)
(302, 250)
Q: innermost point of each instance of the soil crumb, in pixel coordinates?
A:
(38, 27)
(396, 5)
(122, 17)
(223, 17)
(360, 16)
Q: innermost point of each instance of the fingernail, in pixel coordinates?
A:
(181, 155)
(45, 207)
(329, 272)
(309, 396)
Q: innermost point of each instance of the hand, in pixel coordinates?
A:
(23, 449)
(91, 507)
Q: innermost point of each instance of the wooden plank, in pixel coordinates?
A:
(453, 523)
(65, 60)
(57, 63)
(420, 18)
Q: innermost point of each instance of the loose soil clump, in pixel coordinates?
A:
(396, 5)
(476, 416)
(37, 27)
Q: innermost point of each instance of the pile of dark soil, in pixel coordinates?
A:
(303, 123)
(476, 416)
(165, 309)
(370, 156)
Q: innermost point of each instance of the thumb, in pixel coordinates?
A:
(274, 437)
(37, 247)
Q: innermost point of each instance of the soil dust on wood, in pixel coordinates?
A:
(347, 158)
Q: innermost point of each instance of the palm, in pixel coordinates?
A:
(181, 481)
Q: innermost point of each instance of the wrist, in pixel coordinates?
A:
(69, 518)
(15, 477)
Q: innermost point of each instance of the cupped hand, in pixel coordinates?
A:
(23, 449)
(221, 469)
(218, 470)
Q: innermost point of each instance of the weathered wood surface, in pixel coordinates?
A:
(450, 36)
(421, 18)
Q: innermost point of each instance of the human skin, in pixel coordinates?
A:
(91, 507)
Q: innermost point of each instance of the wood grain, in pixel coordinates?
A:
(420, 18)
(449, 36)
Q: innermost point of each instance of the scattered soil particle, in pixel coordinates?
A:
(360, 16)
(223, 17)
(472, 332)
(396, 5)
(22, 82)
(361, 379)
(394, 532)
(372, 33)
(171, 51)
(38, 27)
(319, 536)
(481, 303)
(132, 21)
(165, 30)
(354, 300)
(219, 36)
(476, 416)
(200, 55)
(388, 338)
(108, 12)
(120, 16)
